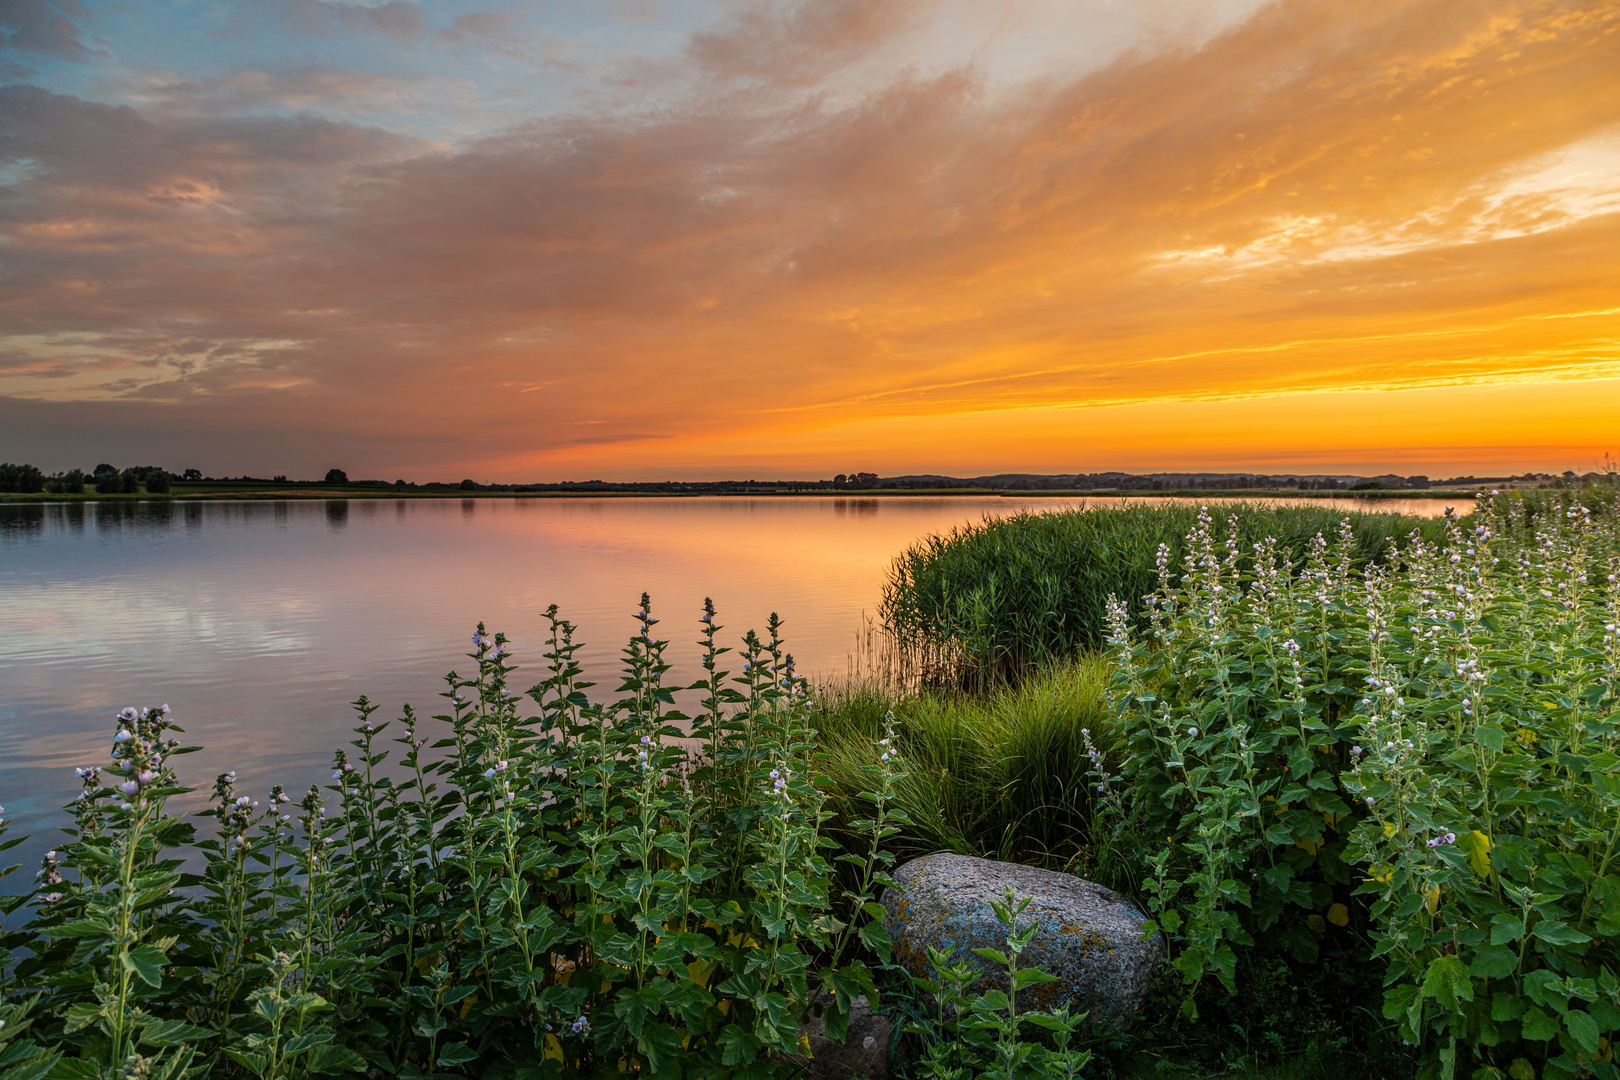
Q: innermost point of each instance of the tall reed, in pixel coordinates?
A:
(989, 602)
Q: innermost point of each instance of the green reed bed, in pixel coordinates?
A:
(999, 774)
(991, 601)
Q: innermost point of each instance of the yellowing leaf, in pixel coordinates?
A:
(1389, 828)
(1316, 924)
(553, 1050)
(1431, 899)
(1338, 915)
(1478, 847)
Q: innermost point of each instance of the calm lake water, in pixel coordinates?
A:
(258, 621)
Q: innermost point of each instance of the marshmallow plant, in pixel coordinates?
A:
(1423, 754)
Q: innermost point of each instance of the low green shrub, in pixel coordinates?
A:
(989, 602)
(1420, 756)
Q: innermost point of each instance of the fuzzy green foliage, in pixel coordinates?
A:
(561, 889)
(999, 774)
(982, 1035)
(989, 602)
(1420, 755)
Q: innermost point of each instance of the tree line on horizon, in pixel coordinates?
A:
(109, 480)
(106, 479)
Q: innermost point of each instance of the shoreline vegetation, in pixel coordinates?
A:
(183, 492)
(1359, 771)
(27, 483)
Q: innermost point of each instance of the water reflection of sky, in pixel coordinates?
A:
(258, 621)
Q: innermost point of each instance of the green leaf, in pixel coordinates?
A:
(1538, 1025)
(298, 1044)
(328, 1059)
(74, 1069)
(37, 1069)
(660, 1043)
(80, 1017)
(1583, 1029)
(1494, 962)
(172, 1033)
(1556, 933)
(456, 1054)
(1447, 982)
(78, 928)
(1505, 930)
(1031, 977)
(1506, 1007)
(146, 962)
(738, 1046)
(253, 1061)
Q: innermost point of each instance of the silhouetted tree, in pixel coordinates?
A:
(336, 476)
(157, 483)
(191, 474)
(469, 485)
(102, 470)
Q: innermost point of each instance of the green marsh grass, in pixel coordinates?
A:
(992, 601)
(1000, 774)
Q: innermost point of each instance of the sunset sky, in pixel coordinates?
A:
(644, 239)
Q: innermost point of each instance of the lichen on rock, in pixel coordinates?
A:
(1090, 938)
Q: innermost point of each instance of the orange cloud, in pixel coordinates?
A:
(1335, 234)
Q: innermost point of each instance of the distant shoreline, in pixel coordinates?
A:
(266, 493)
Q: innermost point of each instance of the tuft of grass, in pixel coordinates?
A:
(1001, 775)
(990, 602)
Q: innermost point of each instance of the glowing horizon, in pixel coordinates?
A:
(644, 240)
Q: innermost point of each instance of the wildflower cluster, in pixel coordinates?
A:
(548, 884)
(1422, 752)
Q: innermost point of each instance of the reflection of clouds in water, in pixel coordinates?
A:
(259, 621)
